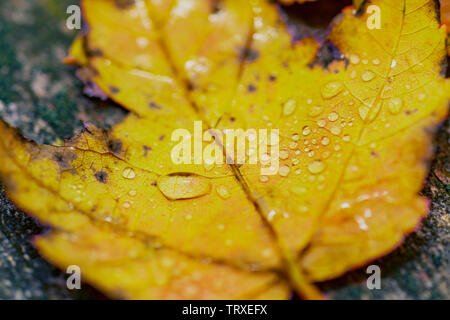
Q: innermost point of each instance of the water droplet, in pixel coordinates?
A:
(263, 178)
(289, 107)
(128, 173)
(395, 105)
(331, 89)
(132, 193)
(353, 74)
(354, 59)
(361, 223)
(183, 186)
(422, 96)
(321, 123)
(346, 138)
(142, 42)
(363, 112)
(367, 75)
(223, 192)
(316, 166)
(315, 111)
(295, 137)
(293, 145)
(270, 215)
(298, 190)
(284, 154)
(306, 130)
(325, 141)
(336, 130)
(376, 61)
(284, 171)
(333, 116)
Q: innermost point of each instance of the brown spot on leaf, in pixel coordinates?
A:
(146, 150)
(124, 4)
(64, 159)
(153, 105)
(246, 54)
(115, 146)
(114, 90)
(101, 176)
(251, 88)
(95, 52)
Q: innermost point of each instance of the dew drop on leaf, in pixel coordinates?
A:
(284, 171)
(223, 192)
(354, 59)
(306, 130)
(315, 111)
(395, 105)
(316, 167)
(181, 186)
(289, 107)
(128, 173)
(331, 89)
(367, 75)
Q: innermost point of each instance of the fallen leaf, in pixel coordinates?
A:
(355, 140)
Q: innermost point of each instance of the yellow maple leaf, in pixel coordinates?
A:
(354, 145)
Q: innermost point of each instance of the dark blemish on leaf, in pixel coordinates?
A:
(146, 150)
(161, 138)
(95, 52)
(248, 54)
(232, 119)
(154, 106)
(124, 4)
(115, 146)
(101, 176)
(327, 54)
(362, 8)
(374, 154)
(216, 5)
(154, 183)
(445, 70)
(272, 78)
(114, 90)
(190, 86)
(64, 159)
(437, 9)
(251, 88)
